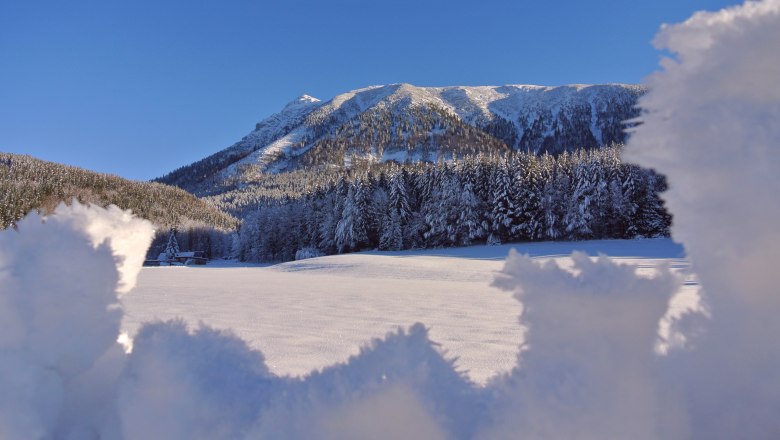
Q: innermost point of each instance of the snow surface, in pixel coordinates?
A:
(59, 316)
(308, 314)
(67, 371)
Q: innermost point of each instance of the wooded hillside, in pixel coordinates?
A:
(28, 184)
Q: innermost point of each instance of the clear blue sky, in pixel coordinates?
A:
(138, 88)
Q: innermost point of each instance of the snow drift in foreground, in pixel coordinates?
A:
(710, 125)
(588, 368)
(64, 376)
(60, 317)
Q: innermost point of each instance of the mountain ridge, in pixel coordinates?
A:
(403, 122)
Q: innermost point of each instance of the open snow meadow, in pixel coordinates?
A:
(309, 314)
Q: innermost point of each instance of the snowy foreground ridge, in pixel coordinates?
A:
(587, 369)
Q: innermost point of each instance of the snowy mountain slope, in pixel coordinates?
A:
(266, 131)
(403, 122)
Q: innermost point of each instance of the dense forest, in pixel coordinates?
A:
(588, 194)
(29, 184)
(482, 198)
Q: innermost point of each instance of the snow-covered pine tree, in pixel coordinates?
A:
(172, 247)
(333, 206)
(528, 198)
(610, 220)
(468, 223)
(555, 196)
(443, 211)
(652, 219)
(579, 216)
(378, 210)
(624, 206)
(351, 231)
(313, 213)
(392, 236)
(501, 204)
(399, 196)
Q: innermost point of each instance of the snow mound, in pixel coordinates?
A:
(60, 280)
(587, 368)
(710, 125)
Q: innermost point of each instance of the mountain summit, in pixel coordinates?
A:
(403, 122)
(303, 101)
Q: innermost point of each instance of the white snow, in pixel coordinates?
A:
(70, 371)
(303, 101)
(59, 317)
(306, 315)
(710, 124)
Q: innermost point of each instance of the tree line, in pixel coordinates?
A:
(587, 194)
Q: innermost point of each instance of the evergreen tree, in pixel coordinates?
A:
(443, 212)
(469, 226)
(172, 247)
(392, 236)
(579, 217)
(502, 207)
(351, 229)
(652, 219)
(401, 209)
(529, 203)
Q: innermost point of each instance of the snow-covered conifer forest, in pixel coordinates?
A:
(512, 197)
(28, 184)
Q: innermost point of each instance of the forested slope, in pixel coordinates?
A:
(515, 197)
(28, 184)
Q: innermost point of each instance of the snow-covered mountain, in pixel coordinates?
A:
(402, 122)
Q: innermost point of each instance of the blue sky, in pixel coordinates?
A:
(138, 88)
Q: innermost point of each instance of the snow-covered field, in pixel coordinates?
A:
(309, 314)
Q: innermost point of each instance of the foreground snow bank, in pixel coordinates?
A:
(710, 125)
(588, 364)
(60, 316)
(588, 367)
(74, 381)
